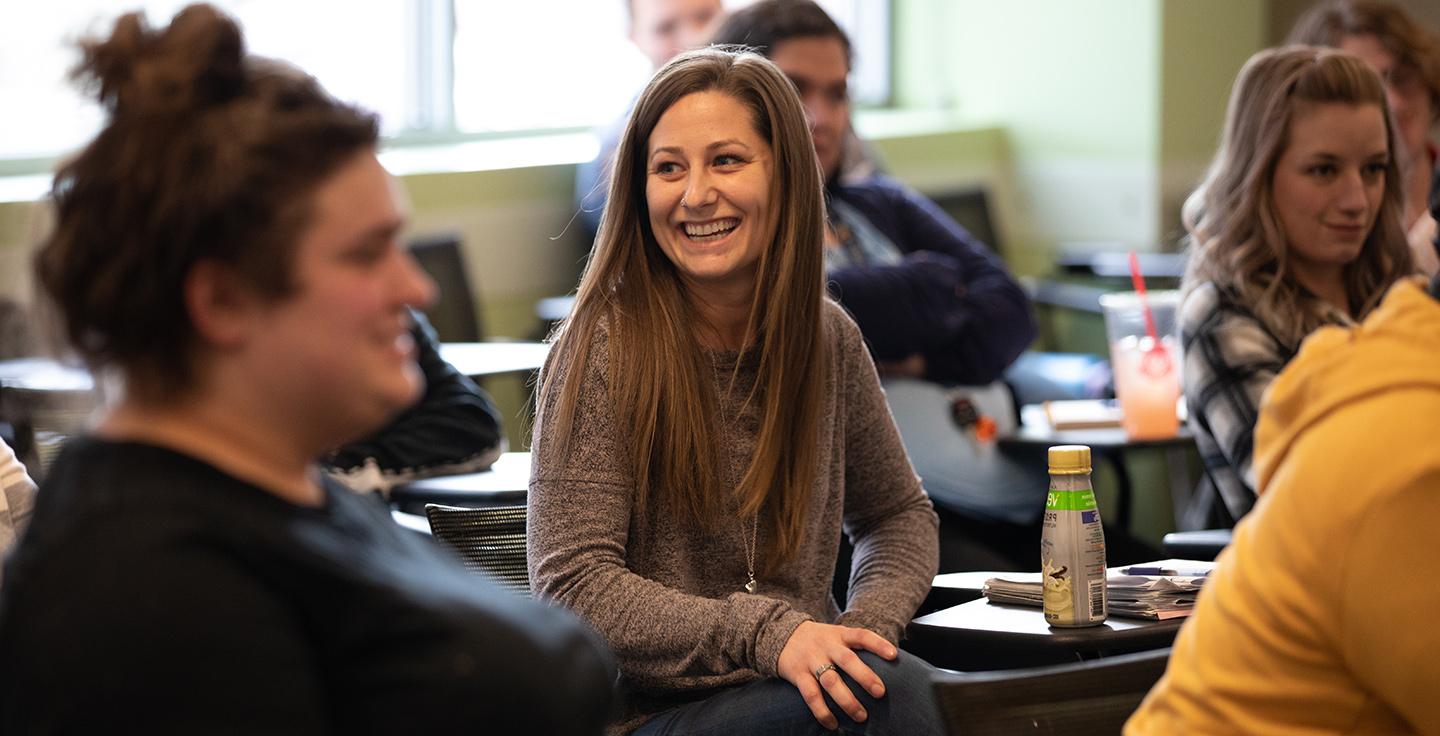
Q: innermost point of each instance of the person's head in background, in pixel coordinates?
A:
(1407, 56)
(1304, 193)
(712, 228)
(662, 29)
(1402, 50)
(812, 50)
(229, 232)
(1435, 202)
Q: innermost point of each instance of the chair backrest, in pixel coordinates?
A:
(453, 315)
(970, 206)
(1091, 697)
(489, 540)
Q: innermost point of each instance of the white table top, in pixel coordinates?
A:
(477, 359)
(43, 374)
(471, 358)
(509, 474)
(1035, 429)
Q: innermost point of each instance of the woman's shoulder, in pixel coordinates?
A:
(1216, 314)
(1201, 298)
(595, 347)
(840, 327)
(1211, 303)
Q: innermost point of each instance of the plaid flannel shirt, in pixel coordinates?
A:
(1231, 357)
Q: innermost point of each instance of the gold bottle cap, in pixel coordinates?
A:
(1069, 459)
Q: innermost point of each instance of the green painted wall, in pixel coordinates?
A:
(1111, 109)
(1205, 44)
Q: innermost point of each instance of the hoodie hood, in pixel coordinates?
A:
(1397, 345)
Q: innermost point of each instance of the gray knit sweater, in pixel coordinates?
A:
(668, 595)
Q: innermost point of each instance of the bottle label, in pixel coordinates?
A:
(1072, 559)
(1070, 501)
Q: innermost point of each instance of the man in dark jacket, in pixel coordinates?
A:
(454, 428)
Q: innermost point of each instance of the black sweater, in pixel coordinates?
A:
(153, 593)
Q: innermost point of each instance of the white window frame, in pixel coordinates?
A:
(431, 120)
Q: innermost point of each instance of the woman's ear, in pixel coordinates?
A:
(221, 304)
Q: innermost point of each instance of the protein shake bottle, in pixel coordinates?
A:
(1072, 545)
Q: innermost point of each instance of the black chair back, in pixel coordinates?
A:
(489, 540)
(1080, 699)
(453, 315)
(970, 206)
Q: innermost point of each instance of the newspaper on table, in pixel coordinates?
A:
(1154, 597)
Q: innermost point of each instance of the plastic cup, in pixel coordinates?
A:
(1147, 376)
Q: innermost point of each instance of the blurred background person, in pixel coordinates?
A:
(1406, 54)
(453, 428)
(660, 29)
(1297, 225)
(230, 246)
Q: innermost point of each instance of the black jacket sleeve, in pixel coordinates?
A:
(949, 299)
(455, 428)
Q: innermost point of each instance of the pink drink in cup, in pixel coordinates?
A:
(1148, 389)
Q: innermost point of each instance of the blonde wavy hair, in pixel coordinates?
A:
(659, 379)
(1235, 236)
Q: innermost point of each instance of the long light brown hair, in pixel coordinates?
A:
(1236, 239)
(659, 380)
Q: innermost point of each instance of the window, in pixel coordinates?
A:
(435, 70)
(578, 67)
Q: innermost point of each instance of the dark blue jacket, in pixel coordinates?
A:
(950, 299)
(453, 428)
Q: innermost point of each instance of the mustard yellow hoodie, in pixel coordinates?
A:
(1323, 615)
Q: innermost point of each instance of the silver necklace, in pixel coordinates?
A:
(750, 545)
(752, 541)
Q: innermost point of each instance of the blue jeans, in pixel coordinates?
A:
(774, 707)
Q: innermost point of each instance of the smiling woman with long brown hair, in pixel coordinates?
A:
(709, 422)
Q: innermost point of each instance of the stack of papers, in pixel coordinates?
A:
(1154, 597)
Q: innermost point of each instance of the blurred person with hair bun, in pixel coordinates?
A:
(228, 247)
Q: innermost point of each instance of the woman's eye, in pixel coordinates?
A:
(726, 159)
(1322, 170)
(666, 167)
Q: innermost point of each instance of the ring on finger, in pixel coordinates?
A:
(823, 669)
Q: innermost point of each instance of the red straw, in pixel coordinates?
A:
(1139, 281)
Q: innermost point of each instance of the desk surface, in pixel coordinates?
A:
(981, 635)
(506, 482)
(45, 392)
(471, 358)
(44, 374)
(479, 359)
(1035, 429)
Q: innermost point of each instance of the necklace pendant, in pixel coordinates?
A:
(750, 586)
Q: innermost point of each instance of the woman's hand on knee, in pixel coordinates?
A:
(815, 652)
